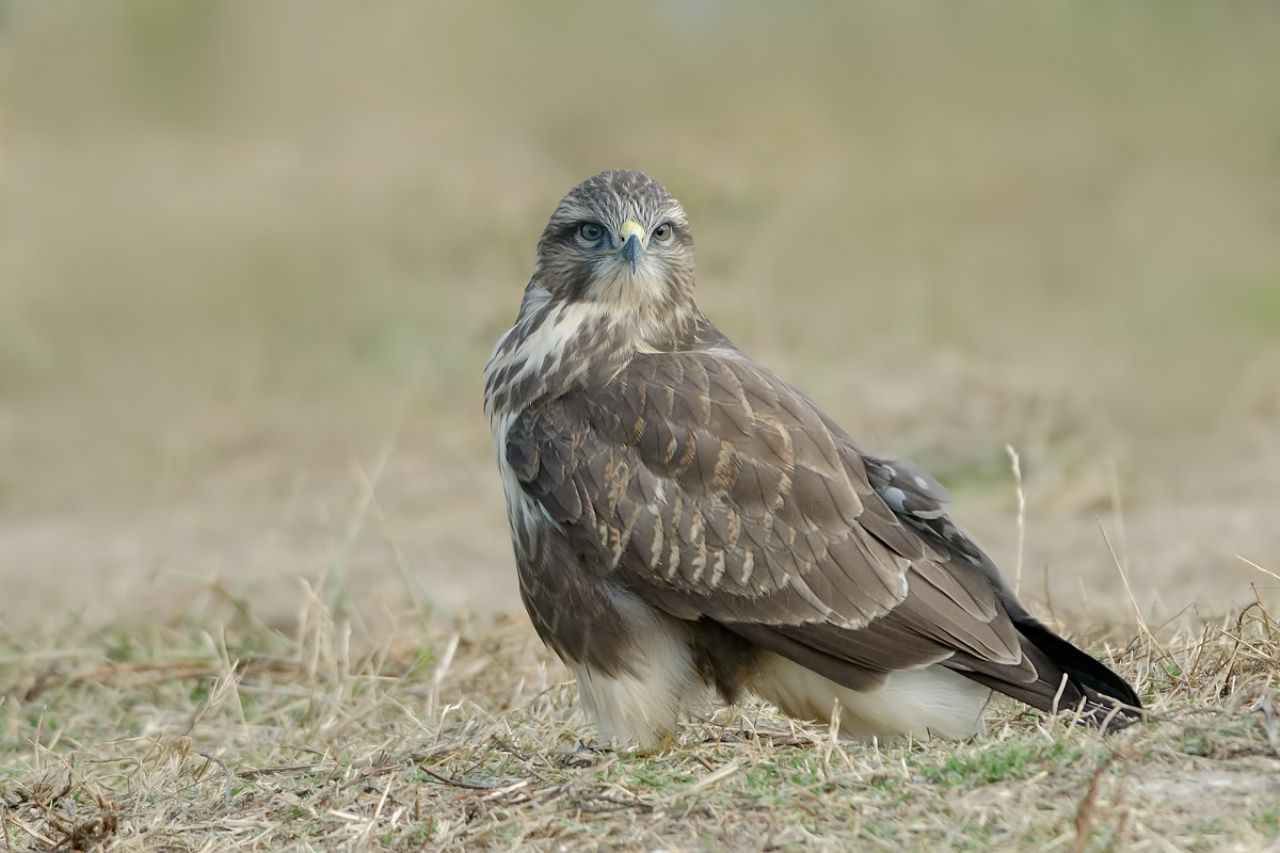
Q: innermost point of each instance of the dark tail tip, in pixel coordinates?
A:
(1109, 700)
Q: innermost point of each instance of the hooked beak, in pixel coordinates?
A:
(632, 236)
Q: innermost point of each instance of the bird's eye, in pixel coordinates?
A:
(663, 232)
(590, 232)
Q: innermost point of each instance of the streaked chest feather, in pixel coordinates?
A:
(546, 352)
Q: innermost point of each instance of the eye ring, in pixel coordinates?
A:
(590, 232)
(663, 232)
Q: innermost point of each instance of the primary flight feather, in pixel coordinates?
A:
(683, 518)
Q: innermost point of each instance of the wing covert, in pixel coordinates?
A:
(714, 487)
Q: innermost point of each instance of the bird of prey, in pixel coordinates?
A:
(684, 519)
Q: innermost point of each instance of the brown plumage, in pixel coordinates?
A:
(684, 518)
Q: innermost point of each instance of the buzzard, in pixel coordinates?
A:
(684, 519)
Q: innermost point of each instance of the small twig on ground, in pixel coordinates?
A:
(473, 786)
(296, 768)
(228, 776)
(717, 776)
(1085, 812)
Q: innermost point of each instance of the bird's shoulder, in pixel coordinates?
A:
(696, 416)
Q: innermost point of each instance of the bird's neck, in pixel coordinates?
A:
(556, 346)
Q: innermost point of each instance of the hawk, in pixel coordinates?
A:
(684, 519)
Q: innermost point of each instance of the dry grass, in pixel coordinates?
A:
(179, 739)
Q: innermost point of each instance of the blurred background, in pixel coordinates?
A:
(254, 256)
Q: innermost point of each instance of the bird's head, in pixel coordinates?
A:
(621, 241)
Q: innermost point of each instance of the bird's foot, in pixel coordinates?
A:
(664, 744)
(584, 755)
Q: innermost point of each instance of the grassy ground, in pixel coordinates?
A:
(177, 738)
(252, 259)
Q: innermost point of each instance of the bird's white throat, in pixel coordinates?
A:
(554, 344)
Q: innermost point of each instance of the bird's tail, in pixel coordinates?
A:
(1068, 680)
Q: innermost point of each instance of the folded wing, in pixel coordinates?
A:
(715, 490)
